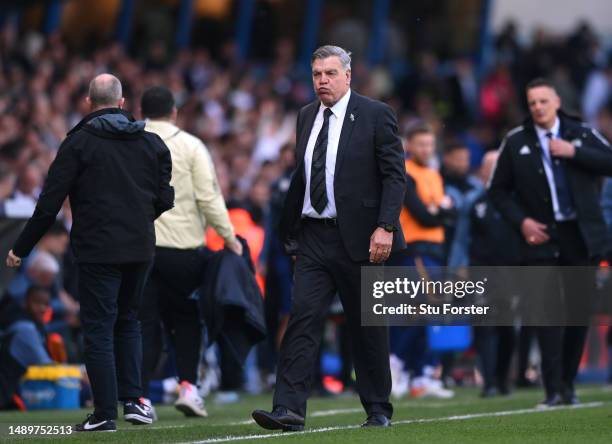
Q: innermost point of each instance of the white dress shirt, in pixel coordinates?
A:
(333, 138)
(547, 160)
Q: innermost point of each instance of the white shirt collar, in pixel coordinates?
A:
(554, 130)
(339, 109)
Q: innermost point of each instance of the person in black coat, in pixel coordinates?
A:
(117, 177)
(546, 184)
(341, 213)
(493, 242)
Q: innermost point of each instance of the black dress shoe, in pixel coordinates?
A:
(281, 418)
(490, 392)
(525, 383)
(503, 389)
(570, 398)
(551, 401)
(377, 421)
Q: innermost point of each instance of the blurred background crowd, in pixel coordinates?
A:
(239, 75)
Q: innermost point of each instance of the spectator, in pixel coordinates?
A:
(426, 207)
(40, 269)
(597, 92)
(43, 268)
(492, 242)
(463, 189)
(22, 202)
(22, 340)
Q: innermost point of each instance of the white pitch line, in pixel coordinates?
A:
(235, 423)
(401, 422)
(319, 413)
(140, 428)
(334, 412)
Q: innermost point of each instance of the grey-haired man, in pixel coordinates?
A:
(341, 213)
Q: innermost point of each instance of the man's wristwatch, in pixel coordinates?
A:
(389, 228)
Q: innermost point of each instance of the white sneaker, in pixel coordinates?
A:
(399, 378)
(147, 402)
(189, 401)
(427, 387)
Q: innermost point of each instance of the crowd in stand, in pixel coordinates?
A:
(245, 113)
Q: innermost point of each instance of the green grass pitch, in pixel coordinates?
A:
(463, 419)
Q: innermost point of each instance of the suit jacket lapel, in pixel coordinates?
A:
(304, 132)
(538, 163)
(350, 119)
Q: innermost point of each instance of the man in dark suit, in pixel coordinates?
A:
(341, 213)
(117, 177)
(546, 184)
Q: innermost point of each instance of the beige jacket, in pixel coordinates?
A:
(198, 201)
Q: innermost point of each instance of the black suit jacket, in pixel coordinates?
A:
(519, 188)
(369, 178)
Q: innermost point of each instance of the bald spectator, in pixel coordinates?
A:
(117, 177)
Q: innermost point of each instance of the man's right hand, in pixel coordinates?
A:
(234, 246)
(12, 260)
(534, 232)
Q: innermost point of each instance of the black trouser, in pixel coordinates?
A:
(167, 298)
(495, 346)
(11, 372)
(323, 268)
(561, 346)
(110, 296)
(561, 349)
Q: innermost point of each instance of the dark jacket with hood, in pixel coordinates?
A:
(518, 187)
(117, 177)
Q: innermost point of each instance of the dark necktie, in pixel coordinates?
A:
(318, 193)
(564, 195)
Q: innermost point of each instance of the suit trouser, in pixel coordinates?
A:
(561, 346)
(323, 268)
(110, 296)
(495, 346)
(167, 298)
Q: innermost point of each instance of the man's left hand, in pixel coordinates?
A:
(562, 148)
(12, 260)
(380, 245)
